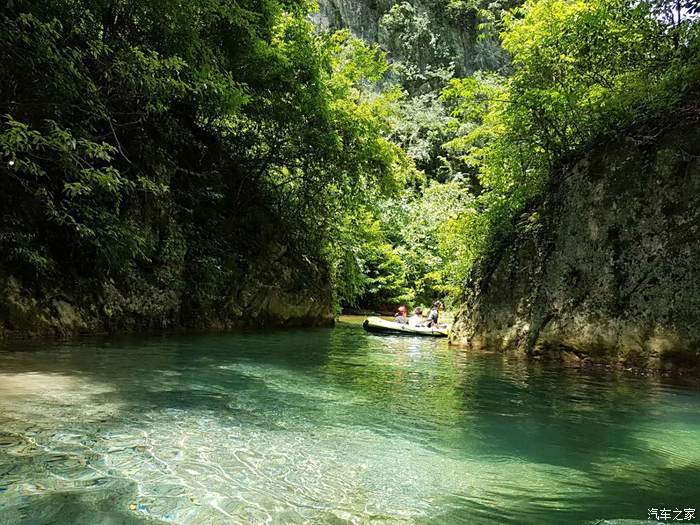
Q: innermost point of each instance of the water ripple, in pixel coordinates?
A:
(333, 426)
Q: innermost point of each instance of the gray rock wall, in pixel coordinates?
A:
(268, 293)
(608, 267)
(457, 34)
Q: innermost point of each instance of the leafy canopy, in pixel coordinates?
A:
(583, 71)
(171, 146)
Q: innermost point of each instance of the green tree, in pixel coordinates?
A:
(583, 71)
(159, 151)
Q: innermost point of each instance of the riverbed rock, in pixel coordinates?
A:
(606, 267)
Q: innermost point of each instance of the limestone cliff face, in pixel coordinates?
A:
(271, 291)
(454, 37)
(608, 267)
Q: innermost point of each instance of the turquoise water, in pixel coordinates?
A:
(332, 426)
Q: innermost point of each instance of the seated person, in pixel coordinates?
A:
(433, 315)
(402, 316)
(417, 317)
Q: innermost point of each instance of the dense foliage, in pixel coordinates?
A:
(170, 151)
(165, 150)
(583, 71)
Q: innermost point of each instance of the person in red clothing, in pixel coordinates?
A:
(402, 316)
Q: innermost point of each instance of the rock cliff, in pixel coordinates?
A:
(271, 291)
(606, 266)
(451, 36)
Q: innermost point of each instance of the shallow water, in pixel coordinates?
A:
(332, 426)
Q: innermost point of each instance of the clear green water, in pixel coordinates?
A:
(332, 426)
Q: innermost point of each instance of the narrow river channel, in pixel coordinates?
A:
(330, 426)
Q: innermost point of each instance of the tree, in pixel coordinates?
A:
(163, 149)
(583, 71)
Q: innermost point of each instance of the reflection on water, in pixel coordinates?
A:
(332, 426)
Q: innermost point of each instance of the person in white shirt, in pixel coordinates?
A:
(417, 318)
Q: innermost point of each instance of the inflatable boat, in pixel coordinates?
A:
(380, 326)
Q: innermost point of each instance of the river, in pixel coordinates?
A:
(329, 426)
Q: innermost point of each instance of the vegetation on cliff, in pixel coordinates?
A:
(580, 73)
(156, 155)
(583, 72)
(168, 163)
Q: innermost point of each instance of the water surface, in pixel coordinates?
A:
(332, 426)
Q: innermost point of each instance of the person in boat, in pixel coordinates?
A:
(417, 318)
(432, 321)
(402, 316)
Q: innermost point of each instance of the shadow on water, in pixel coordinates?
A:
(75, 508)
(595, 425)
(609, 501)
(533, 411)
(209, 372)
(174, 371)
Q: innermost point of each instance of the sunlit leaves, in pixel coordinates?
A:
(583, 71)
(220, 128)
